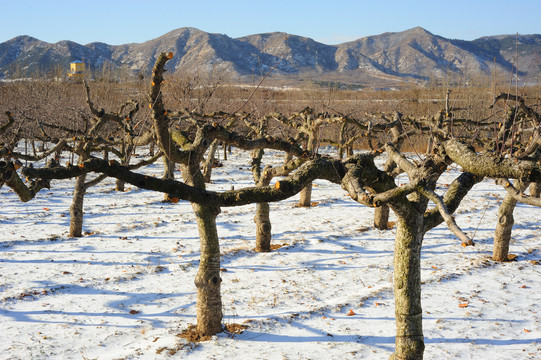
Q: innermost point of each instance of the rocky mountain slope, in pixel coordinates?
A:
(412, 55)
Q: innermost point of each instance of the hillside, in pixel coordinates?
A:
(411, 55)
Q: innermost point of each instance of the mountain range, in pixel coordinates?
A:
(412, 55)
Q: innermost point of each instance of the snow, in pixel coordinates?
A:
(125, 290)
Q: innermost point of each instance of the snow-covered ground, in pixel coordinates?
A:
(126, 291)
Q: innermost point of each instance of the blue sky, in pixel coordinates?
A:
(330, 22)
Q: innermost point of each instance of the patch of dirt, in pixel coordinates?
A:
(235, 328)
(277, 246)
(192, 335)
(312, 204)
(174, 350)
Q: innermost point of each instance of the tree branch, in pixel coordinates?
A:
(517, 195)
(322, 168)
(486, 166)
(9, 176)
(458, 189)
(449, 220)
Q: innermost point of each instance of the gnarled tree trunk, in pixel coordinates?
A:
(409, 342)
(263, 227)
(207, 280)
(381, 217)
(305, 199)
(76, 208)
(504, 226)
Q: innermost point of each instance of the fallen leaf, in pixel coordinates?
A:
(133, 312)
(463, 305)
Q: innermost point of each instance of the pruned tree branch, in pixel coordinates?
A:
(9, 176)
(516, 194)
(449, 220)
(452, 198)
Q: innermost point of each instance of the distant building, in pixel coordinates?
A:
(77, 71)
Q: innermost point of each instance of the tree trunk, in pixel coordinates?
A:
(168, 173)
(381, 217)
(207, 280)
(342, 140)
(306, 196)
(306, 193)
(226, 147)
(263, 227)
(381, 213)
(76, 208)
(504, 226)
(120, 185)
(535, 189)
(409, 343)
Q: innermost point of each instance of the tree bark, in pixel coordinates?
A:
(168, 173)
(342, 140)
(535, 189)
(207, 280)
(381, 217)
(306, 196)
(504, 226)
(409, 342)
(263, 227)
(120, 185)
(76, 208)
(209, 162)
(225, 148)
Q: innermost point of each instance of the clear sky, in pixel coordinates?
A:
(332, 21)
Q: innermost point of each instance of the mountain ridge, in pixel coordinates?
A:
(412, 55)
